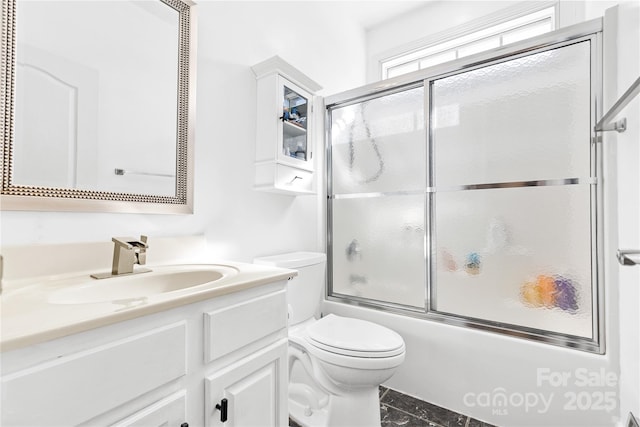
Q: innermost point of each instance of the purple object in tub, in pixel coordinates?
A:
(566, 295)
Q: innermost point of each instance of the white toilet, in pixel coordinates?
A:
(336, 364)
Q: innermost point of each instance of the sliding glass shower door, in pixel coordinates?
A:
(470, 196)
(378, 211)
(511, 189)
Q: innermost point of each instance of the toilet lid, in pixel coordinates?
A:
(354, 337)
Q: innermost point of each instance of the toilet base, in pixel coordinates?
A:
(356, 409)
(307, 404)
(302, 416)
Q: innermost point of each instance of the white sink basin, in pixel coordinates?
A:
(139, 287)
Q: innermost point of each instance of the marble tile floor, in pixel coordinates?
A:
(401, 410)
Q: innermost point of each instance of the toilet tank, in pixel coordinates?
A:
(305, 291)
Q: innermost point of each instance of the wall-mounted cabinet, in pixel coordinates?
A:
(284, 128)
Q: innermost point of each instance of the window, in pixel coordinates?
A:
(511, 31)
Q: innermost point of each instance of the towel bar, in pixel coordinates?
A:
(605, 123)
(119, 171)
(628, 256)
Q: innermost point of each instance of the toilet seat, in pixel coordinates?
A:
(388, 353)
(354, 338)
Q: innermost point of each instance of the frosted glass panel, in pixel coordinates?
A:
(378, 246)
(379, 145)
(519, 120)
(521, 256)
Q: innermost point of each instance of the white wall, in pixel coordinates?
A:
(621, 68)
(240, 223)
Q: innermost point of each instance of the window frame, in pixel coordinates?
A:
(465, 35)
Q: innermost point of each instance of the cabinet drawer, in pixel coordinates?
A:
(101, 378)
(294, 179)
(169, 411)
(283, 178)
(233, 327)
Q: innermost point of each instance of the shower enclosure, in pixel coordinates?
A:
(469, 192)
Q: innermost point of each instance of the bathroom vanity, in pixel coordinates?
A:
(186, 355)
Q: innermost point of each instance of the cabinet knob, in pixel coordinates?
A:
(222, 407)
(184, 425)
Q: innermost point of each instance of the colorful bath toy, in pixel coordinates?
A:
(547, 287)
(566, 297)
(448, 261)
(472, 263)
(549, 292)
(530, 295)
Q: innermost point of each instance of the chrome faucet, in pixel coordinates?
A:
(126, 253)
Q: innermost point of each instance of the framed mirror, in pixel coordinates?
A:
(98, 105)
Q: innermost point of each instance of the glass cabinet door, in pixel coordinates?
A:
(295, 146)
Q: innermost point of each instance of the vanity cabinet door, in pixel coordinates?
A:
(255, 389)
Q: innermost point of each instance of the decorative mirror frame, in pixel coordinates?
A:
(22, 197)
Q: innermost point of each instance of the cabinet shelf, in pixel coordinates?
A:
(291, 129)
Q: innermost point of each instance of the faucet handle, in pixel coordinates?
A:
(130, 242)
(141, 244)
(141, 255)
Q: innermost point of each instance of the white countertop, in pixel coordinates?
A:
(28, 317)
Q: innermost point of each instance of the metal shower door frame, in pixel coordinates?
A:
(588, 31)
